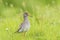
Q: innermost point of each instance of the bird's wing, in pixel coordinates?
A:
(21, 27)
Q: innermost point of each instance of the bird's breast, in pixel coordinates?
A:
(27, 26)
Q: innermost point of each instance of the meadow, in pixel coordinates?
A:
(45, 20)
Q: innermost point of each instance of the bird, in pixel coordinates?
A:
(25, 25)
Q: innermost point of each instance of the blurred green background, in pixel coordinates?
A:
(45, 23)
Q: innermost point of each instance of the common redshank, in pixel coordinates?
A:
(25, 25)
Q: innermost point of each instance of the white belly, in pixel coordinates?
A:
(27, 26)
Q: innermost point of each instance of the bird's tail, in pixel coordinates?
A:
(16, 32)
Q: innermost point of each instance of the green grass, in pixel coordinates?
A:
(45, 23)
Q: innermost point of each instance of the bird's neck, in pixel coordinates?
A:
(25, 18)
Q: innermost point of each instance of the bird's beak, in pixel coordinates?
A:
(30, 15)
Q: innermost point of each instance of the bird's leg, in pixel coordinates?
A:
(23, 34)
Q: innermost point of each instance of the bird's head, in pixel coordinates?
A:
(26, 14)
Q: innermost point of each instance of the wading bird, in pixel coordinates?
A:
(25, 25)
